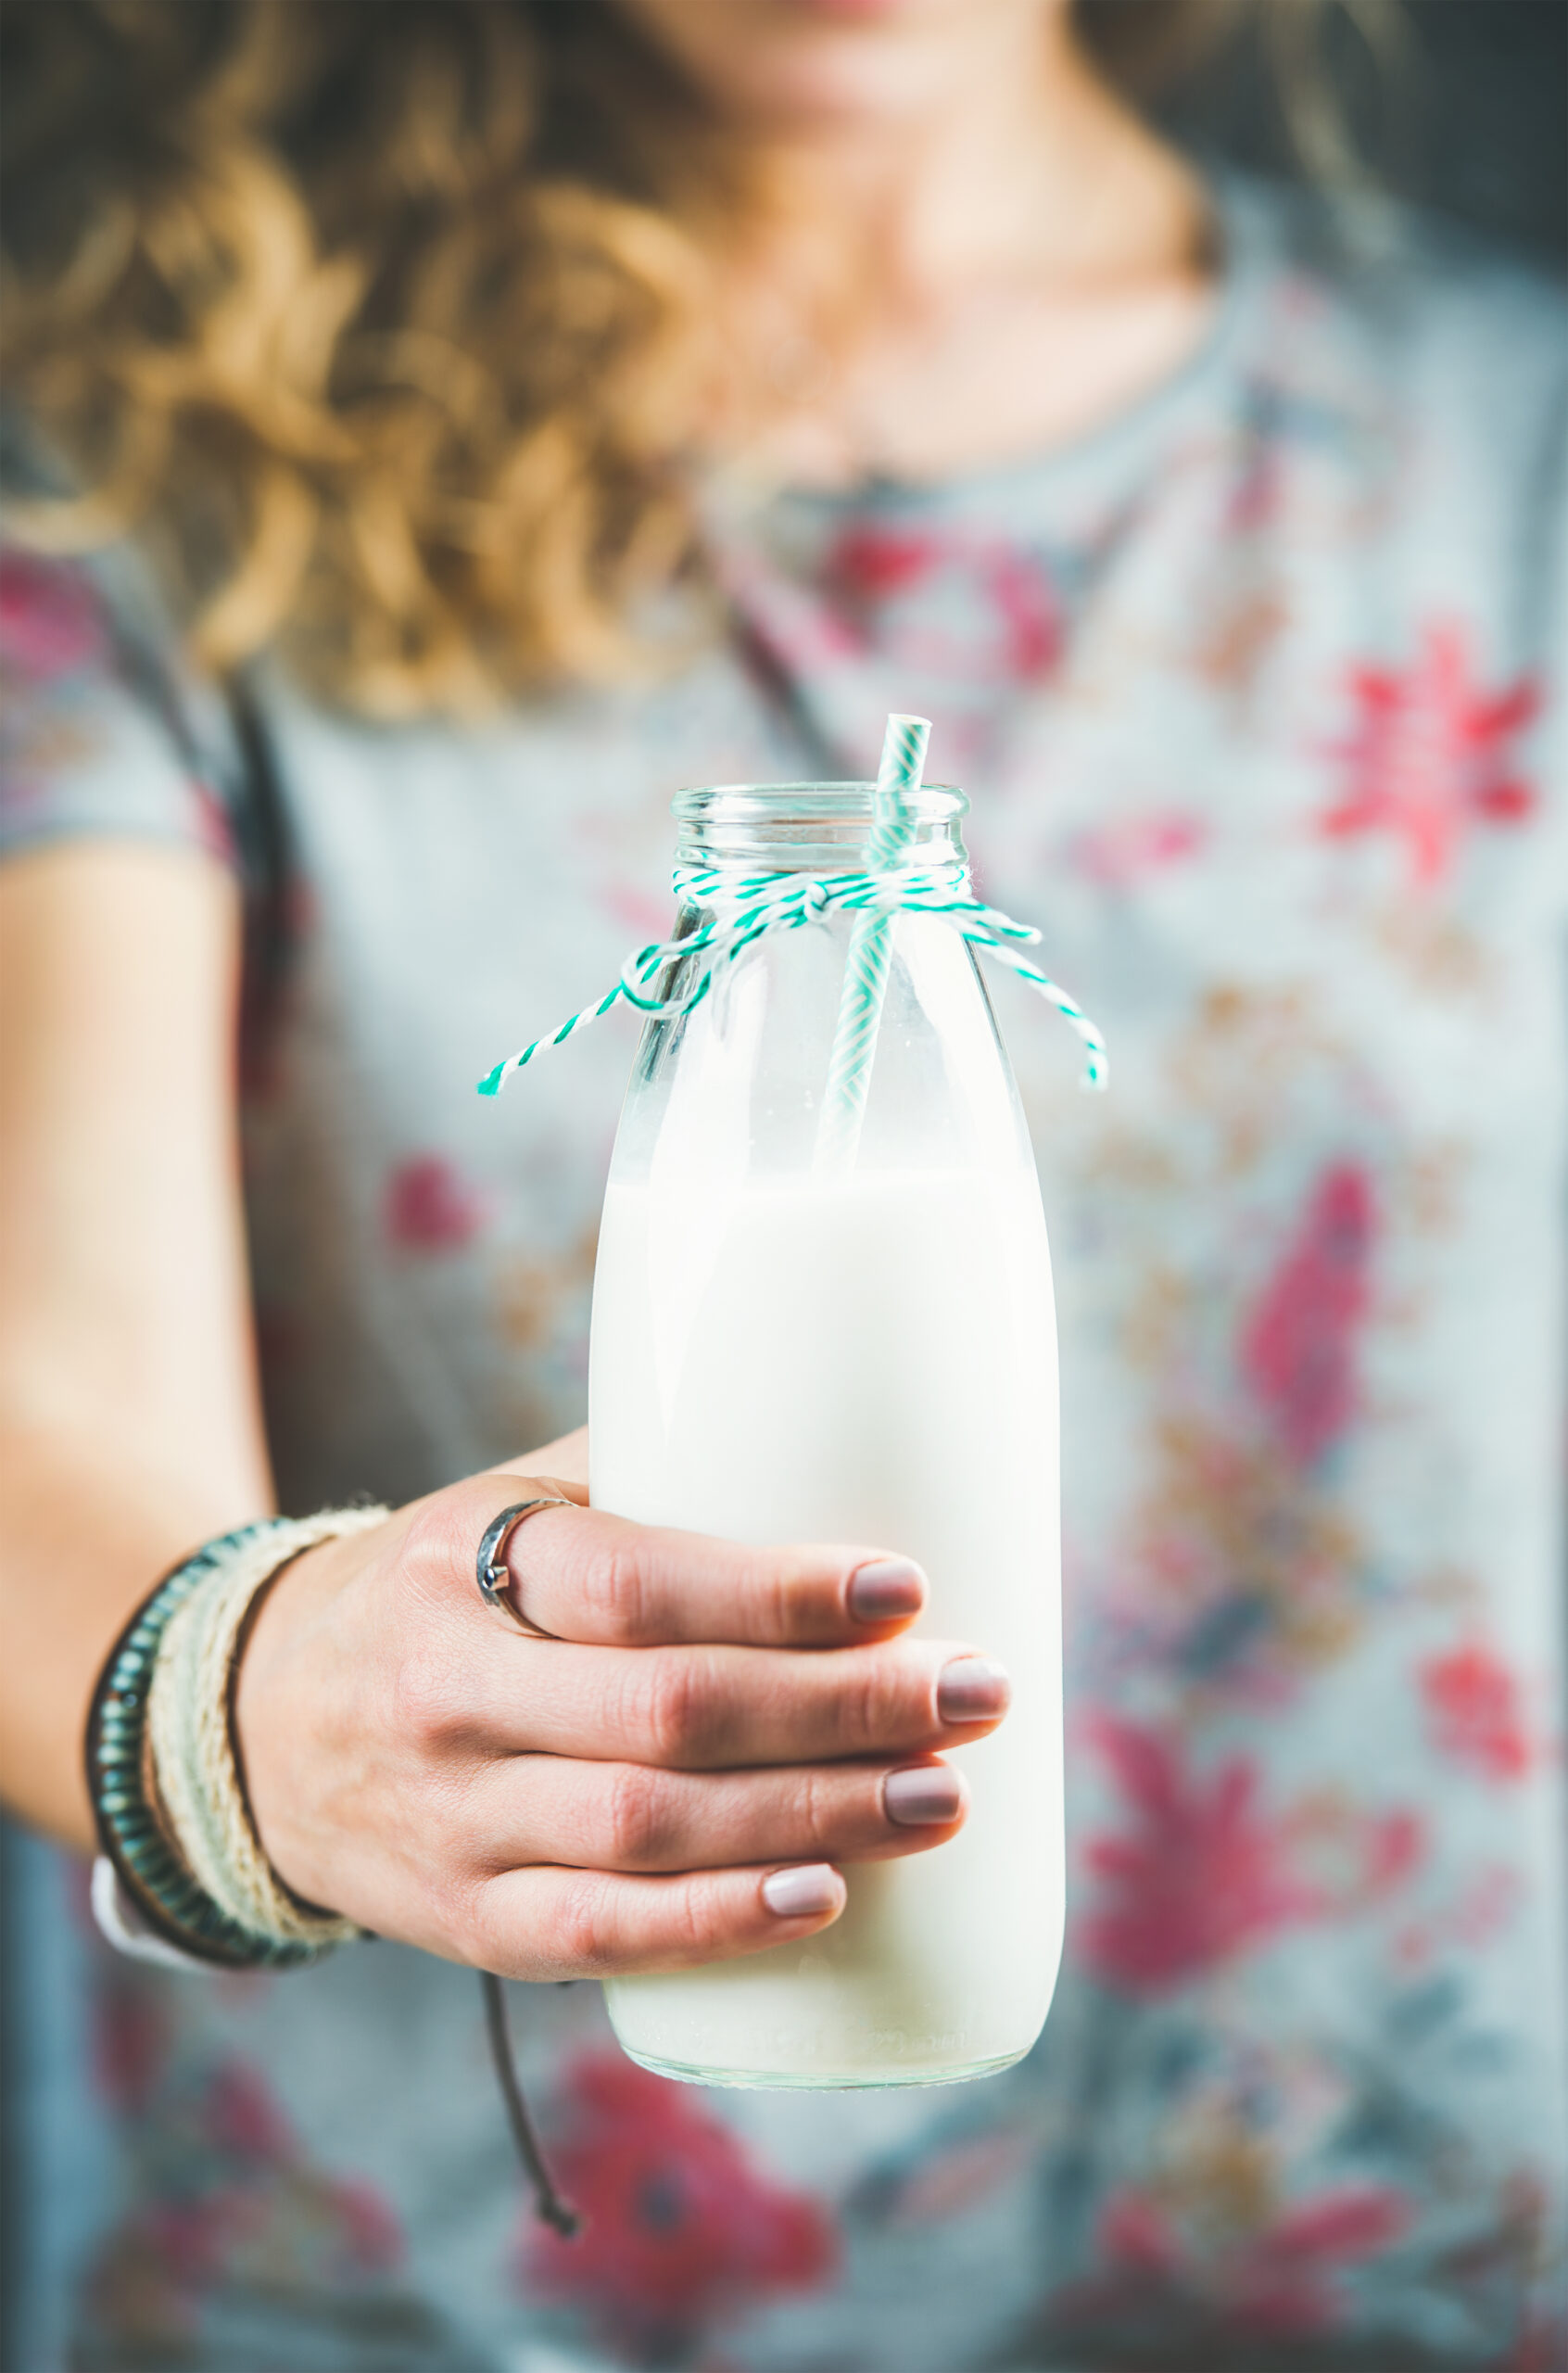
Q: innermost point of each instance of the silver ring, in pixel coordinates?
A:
(495, 1580)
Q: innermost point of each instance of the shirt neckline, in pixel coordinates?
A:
(1103, 455)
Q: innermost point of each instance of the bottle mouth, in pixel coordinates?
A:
(809, 827)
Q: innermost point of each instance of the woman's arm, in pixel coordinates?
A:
(623, 1796)
(129, 1422)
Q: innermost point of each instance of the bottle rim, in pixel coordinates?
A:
(807, 826)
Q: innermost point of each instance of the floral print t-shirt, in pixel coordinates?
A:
(1254, 695)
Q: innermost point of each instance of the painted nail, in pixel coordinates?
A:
(922, 1795)
(793, 1894)
(887, 1587)
(972, 1689)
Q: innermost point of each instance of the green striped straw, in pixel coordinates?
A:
(866, 975)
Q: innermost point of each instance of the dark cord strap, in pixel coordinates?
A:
(549, 2206)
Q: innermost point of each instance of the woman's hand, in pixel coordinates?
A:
(669, 1781)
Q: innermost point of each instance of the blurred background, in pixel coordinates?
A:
(1467, 115)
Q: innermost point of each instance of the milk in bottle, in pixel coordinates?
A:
(784, 1352)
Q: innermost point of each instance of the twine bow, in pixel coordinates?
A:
(741, 908)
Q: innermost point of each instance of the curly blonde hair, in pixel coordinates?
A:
(381, 324)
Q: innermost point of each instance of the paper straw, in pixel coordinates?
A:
(866, 974)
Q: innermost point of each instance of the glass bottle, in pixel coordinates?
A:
(781, 1352)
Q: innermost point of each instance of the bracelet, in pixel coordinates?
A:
(167, 1800)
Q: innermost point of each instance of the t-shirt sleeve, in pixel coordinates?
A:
(102, 731)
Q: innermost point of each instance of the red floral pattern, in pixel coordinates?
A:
(1430, 754)
(1282, 2278)
(1009, 621)
(50, 622)
(225, 2194)
(682, 2230)
(1120, 855)
(1299, 1347)
(429, 1207)
(1203, 1873)
(1476, 1709)
(1207, 1873)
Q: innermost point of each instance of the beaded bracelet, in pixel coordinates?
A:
(152, 1843)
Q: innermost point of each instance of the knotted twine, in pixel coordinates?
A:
(741, 909)
(190, 1722)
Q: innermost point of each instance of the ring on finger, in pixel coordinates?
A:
(492, 1572)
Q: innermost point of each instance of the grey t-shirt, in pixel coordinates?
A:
(1256, 694)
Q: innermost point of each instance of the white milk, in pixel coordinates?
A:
(871, 1361)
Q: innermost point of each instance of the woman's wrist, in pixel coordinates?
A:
(168, 1800)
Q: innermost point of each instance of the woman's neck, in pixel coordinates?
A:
(958, 285)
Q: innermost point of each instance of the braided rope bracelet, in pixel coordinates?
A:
(162, 1776)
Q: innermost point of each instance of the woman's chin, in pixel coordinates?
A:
(820, 64)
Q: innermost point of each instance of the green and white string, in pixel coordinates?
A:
(741, 909)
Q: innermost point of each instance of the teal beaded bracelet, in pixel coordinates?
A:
(171, 1902)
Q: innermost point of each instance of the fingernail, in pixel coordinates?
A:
(922, 1795)
(972, 1689)
(888, 1586)
(794, 1894)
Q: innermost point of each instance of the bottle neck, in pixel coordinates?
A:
(818, 829)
